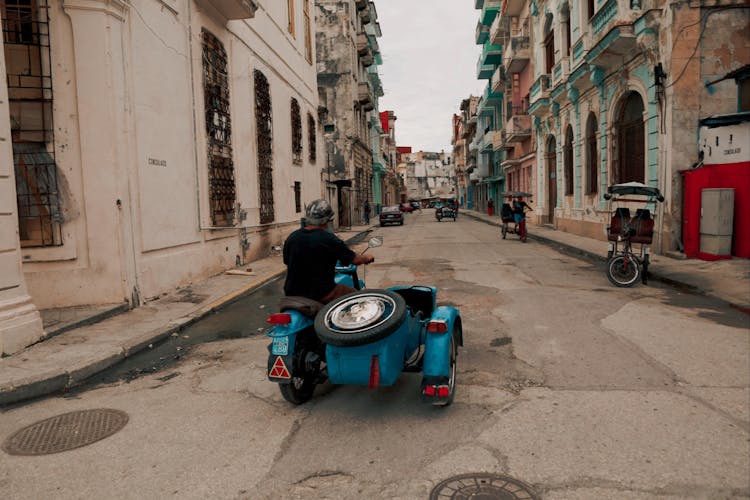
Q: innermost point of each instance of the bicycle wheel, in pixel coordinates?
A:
(623, 271)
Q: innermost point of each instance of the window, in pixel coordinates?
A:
(568, 161)
(264, 133)
(296, 133)
(308, 32)
(311, 137)
(221, 186)
(743, 86)
(630, 140)
(590, 8)
(592, 163)
(549, 45)
(27, 65)
(290, 12)
(297, 196)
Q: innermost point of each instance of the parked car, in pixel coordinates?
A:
(391, 215)
(406, 207)
(416, 205)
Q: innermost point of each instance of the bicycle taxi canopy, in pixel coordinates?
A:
(636, 188)
(517, 194)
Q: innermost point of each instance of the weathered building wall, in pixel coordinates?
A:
(608, 73)
(132, 152)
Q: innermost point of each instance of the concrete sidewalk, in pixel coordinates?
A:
(726, 280)
(84, 341)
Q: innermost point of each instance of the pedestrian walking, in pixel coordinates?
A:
(490, 207)
(367, 212)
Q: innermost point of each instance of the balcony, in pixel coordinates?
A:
(498, 80)
(490, 9)
(518, 128)
(498, 141)
(513, 7)
(491, 54)
(613, 32)
(517, 53)
(366, 14)
(488, 141)
(560, 72)
(363, 44)
(539, 96)
(233, 9)
(499, 29)
(484, 71)
(365, 96)
(367, 58)
(482, 34)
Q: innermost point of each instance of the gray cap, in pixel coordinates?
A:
(318, 212)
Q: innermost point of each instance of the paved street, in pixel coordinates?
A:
(580, 389)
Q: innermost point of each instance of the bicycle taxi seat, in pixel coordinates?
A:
(643, 226)
(621, 215)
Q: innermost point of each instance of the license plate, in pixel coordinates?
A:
(280, 346)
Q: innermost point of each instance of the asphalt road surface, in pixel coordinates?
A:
(577, 388)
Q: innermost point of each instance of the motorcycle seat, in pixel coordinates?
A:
(303, 305)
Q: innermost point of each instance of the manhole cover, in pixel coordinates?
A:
(483, 487)
(65, 432)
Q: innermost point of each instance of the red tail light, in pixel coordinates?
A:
(443, 391)
(429, 390)
(374, 373)
(437, 327)
(280, 319)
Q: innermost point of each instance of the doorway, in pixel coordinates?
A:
(551, 157)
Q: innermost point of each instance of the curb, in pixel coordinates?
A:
(68, 377)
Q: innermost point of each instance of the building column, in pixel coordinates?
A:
(20, 322)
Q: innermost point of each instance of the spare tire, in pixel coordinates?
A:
(360, 318)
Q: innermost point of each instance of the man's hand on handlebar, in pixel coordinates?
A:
(363, 259)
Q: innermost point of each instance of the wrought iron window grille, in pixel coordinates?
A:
(264, 134)
(311, 138)
(221, 183)
(28, 64)
(296, 133)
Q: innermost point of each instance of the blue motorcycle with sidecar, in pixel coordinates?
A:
(368, 337)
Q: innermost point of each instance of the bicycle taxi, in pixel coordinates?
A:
(624, 264)
(508, 214)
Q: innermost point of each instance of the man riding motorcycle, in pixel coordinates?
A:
(311, 254)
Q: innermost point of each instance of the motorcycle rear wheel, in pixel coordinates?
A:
(300, 390)
(622, 272)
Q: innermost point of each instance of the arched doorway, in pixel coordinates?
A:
(551, 158)
(631, 147)
(568, 161)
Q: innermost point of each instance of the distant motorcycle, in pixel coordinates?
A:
(367, 338)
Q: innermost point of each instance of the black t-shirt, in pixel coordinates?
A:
(311, 256)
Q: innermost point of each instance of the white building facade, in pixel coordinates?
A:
(154, 143)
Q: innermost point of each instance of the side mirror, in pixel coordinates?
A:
(375, 241)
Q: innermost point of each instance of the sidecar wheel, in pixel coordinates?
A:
(452, 371)
(299, 390)
(360, 318)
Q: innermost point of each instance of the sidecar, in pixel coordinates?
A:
(370, 337)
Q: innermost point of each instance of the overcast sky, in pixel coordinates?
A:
(429, 66)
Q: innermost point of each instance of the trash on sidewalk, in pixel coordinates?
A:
(240, 272)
